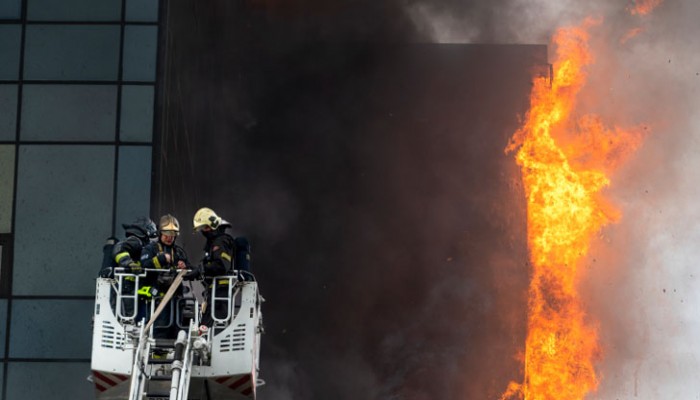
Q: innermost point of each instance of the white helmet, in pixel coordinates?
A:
(169, 225)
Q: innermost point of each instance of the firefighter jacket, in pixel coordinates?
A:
(154, 257)
(128, 252)
(218, 255)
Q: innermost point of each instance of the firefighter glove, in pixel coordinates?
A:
(196, 273)
(165, 280)
(133, 268)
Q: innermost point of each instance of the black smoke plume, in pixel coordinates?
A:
(366, 166)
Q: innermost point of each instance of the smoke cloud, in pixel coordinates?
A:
(645, 281)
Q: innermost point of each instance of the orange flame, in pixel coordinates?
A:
(564, 212)
(643, 7)
(632, 33)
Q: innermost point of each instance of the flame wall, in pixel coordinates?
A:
(640, 278)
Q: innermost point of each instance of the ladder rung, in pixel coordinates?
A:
(161, 378)
(160, 361)
(158, 394)
(165, 343)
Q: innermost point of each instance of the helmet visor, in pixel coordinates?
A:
(169, 233)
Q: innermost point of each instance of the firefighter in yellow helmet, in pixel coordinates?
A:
(223, 255)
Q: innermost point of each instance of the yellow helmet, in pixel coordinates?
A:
(169, 225)
(207, 217)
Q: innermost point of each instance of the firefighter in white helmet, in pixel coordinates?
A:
(223, 254)
(163, 254)
(165, 251)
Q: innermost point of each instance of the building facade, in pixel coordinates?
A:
(77, 110)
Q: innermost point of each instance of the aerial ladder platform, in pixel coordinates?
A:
(132, 361)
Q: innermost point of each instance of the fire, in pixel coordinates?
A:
(632, 33)
(643, 7)
(565, 162)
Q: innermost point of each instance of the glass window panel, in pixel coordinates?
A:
(140, 47)
(133, 185)
(3, 324)
(69, 112)
(78, 52)
(137, 114)
(7, 180)
(51, 328)
(10, 9)
(74, 10)
(8, 112)
(64, 201)
(142, 10)
(10, 36)
(64, 380)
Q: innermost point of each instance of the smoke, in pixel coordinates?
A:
(368, 173)
(386, 222)
(502, 21)
(650, 300)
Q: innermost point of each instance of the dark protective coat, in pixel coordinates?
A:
(128, 251)
(221, 255)
(154, 257)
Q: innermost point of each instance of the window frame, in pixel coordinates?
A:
(6, 242)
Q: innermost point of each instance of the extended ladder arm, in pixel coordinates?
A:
(138, 377)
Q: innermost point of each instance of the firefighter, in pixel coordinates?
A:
(127, 254)
(163, 254)
(220, 251)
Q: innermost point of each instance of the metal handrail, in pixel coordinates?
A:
(137, 373)
(120, 274)
(121, 297)
(232, 280)
(178, 312)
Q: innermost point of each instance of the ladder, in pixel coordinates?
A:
(162, 368)
(159, 363)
